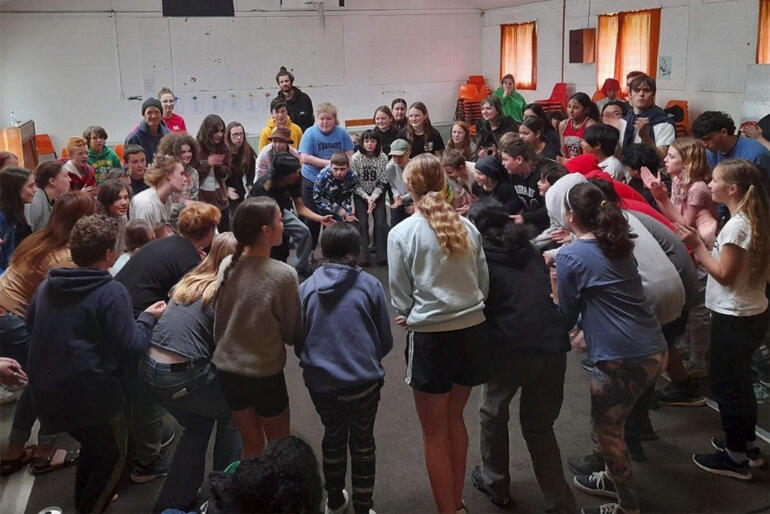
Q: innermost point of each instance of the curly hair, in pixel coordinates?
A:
(425, 180)
(91, 237)
(172, 143)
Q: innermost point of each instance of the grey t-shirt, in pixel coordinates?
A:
(187, 330)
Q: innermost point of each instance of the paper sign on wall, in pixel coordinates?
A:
(664, 67)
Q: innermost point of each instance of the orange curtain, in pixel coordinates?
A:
(763, 35)
(518, 53)
(606, 47)
(627, 41)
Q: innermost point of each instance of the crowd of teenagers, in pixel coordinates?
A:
(161, 284)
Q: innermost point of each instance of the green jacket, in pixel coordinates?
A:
(103, 162)
(513, 104)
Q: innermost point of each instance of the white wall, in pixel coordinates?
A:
(67, 68)
(712, 44)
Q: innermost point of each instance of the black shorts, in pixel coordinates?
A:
(435, 361)
(267, 395)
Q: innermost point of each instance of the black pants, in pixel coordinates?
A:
(733, 341)
(103, 451)
(348, 420)
(380, 228)
(307, 199)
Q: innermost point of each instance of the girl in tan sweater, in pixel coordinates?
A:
(257, 313)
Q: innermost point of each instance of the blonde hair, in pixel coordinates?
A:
(425, 178)
(693, 154)
(74, 143)
(162, 166)
(754, 203)
(201, 281)
(327, 108)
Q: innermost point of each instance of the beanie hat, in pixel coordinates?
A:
(491, 167)
(151, 102)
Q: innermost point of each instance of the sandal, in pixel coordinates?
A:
(12, 465)
(59, 459)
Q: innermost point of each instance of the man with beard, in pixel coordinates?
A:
(299, 105)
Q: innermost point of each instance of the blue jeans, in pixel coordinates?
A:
(14, 343)
(194, 398)
(302, 239)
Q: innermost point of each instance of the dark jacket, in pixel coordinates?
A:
(347, 328)
(82, 334)
(141, 136)
(487, 137)
(522, 319)
(300, 108)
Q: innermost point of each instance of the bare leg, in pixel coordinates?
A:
(433, 411)
(458, 439)
(277, 426)
(253, 435)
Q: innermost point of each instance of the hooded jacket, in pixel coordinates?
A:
(296, 133)
(141, 136)
(300, 108)
(82, 335)
(522, 319)
(347, 328)
(103, 162)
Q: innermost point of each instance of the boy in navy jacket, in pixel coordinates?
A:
(82, 331)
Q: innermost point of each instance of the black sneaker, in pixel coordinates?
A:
(587, 364)
(141, 474)
(754, 455)
(586, 464)
(676, 394)
(598, 484)
(607, 508)
(478, 483)
(720, 463)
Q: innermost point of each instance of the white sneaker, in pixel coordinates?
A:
(342, 508)
(7, 396)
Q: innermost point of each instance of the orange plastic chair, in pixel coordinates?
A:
(558, 99)
(468, 92)
(64, 153)
(597, 96)
(119, 151)
(477, 80)
(44, 145)
(683, 127)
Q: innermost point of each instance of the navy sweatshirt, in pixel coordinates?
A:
(347, 328)
(82, 333)
(522, 319)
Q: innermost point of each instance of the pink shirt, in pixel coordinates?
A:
(698, 195)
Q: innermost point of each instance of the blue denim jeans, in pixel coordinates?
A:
(194, 398)
(14, 343)
(302, 239)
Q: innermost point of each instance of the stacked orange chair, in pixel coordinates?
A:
(45, 149)
(469, 99)
(682, 127)
(558, 99)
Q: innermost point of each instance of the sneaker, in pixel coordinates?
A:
(720, 463)
(586, 464)
(676, 394)
(141, 474)
(754, 455)
(696, 370)
(587, 364)
(7, 397)
(598, 484)
(478, 483)
(342, 508)
(607, 508)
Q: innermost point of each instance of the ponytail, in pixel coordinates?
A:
(445, 222)
(604, 218)
(236, 255)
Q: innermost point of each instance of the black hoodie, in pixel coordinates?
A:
(522, 319)
(82, 333)
(299, 108)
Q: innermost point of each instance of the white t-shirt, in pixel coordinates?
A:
(665, 133)
(147, 205)
(613, 166)
(747, 296)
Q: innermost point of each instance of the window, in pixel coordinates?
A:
(763, 35)
(627, 41)
(518, 53)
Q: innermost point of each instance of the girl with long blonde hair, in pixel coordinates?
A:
(178, 372)
(691, 205)
(735, 295)
(438, 281)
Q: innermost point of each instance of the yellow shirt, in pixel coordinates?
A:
(296, 133)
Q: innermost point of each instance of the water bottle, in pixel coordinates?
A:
(12, 119)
